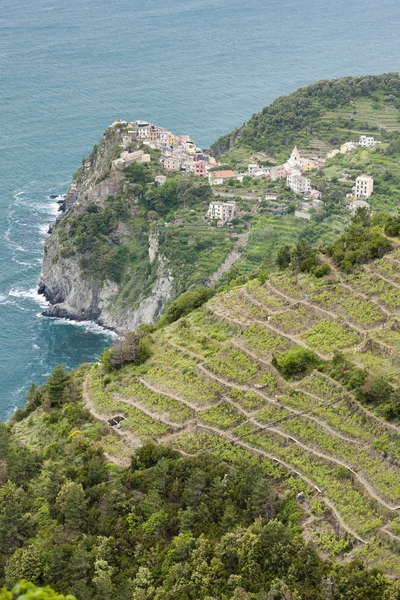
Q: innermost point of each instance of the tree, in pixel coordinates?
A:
(57, 386)
(26, 563)
(185, 304)
(283, 257)
(14, 522)
(71, 503)
(102, 579)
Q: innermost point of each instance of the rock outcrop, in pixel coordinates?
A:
(73, 294)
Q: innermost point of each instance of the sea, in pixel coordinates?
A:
(198, 67)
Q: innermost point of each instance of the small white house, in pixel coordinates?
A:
(368, 140)
(252, 169)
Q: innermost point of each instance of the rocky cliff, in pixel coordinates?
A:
(79, 292)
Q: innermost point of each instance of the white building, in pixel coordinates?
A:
(298, 183)
(252, 169)
(222, 211)
(160, 179)
(142, 129)
(368, 140)
(364, 186)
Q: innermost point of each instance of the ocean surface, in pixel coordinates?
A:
(198, 67)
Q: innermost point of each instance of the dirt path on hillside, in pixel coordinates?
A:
(161, 417)
(393, 283)
(230, 258)
(183, 350)
(375, 417)
(249, 296)
(134, 440)
(334, 316)
(194, 407)
(366, 484)
(296, 413)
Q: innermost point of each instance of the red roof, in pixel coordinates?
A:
(224, 174)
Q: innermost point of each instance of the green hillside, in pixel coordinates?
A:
(318, 117)
(276, 410)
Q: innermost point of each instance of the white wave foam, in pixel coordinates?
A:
(50, 208)
(31, 294)
(89, 326)
(44, 229)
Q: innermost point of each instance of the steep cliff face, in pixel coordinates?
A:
(75, 291)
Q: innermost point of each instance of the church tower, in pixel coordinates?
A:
(295, 159)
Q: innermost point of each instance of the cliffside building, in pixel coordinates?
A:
(128, 158)
(222, 211)
(278, 172)
(364, 186)
(200, 168)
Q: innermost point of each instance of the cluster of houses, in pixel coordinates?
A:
(178, 152)
(292, 171)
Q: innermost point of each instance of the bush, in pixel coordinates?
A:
(185, 304)
(296, 362)
(321, 270)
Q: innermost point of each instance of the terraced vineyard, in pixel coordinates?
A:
(211, 386)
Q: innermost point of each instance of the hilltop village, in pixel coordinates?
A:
(180, 154)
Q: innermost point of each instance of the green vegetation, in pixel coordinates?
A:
(319, 116)
(328, 336)
(28, 591)
(270, 401)
(360, 243)
(108, 238)
(296, 362)
(148, 530)
(185, 304)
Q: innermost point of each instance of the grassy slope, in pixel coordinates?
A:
(211, 378)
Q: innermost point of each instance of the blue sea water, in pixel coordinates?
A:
(199, 67)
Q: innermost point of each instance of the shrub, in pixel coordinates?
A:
(185, 304)
(296, 361)
(321, 270)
